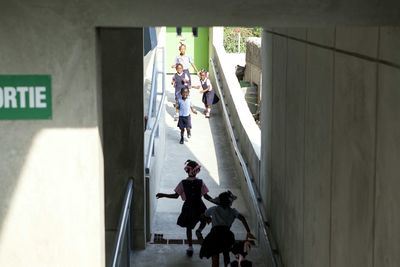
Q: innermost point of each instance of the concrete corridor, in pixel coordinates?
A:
(210, 146)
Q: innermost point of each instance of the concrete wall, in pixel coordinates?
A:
(51, 171)
(247, 132)
(121, 52)
(52, 210)
(253, 61)
(330, 152)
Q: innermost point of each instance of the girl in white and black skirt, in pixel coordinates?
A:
(221, 239)
(191, 190)
(209, 96)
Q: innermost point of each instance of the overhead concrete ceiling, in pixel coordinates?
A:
(273, 13)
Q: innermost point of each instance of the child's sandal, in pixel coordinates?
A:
(189, 252)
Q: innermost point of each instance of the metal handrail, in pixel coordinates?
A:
(153, 87)
(260, 218)
(159, 111)
(124, 220)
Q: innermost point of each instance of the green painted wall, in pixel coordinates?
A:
(196, 47)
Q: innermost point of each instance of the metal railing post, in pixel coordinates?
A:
(124, 222)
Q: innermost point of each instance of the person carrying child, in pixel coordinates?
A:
(191, 190)
(184, 106)
(221, 239)
(185, 61)
(209, 96)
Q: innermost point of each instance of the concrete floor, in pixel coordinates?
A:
(210, 146)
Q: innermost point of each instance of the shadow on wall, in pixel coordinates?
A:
(39, 183)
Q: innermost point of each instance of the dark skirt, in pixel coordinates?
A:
(185, 122)
(220, 239)
(191, 213)
(208, 98)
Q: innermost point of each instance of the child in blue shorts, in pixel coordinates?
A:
(184, 106)
(180, 80)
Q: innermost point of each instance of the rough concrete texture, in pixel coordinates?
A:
(121, 52)
(318, 144)
(266, 124)
(253, 64)
(294, 140)
(253, 53)
(298, 33)
(389, 45)
(51, 171)
(322, 36)
(278, 132)
(387, 217)
(360, 40)
(353, 161)
(333, 148)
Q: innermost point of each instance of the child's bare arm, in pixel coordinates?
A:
(161, 195)
(205, 217)
(193, 110)
(243, 220)
(194, 67)
(209, 198)
(205, 90)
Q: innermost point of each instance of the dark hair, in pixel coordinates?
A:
(182, 90)
(191, 163)
(224, 199)
(203, 71)
(182, 44)
(178, 64)
(192, 167)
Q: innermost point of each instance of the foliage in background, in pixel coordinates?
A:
(231, 38)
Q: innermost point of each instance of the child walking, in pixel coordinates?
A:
(191, 191)
(184, 105)
(185, 61)
(221, 239)
(180, 80)
(209, 97)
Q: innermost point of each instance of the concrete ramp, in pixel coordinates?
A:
(210, 146)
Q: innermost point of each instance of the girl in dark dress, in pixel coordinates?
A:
(221, 239)
(191, 190)
(180, 81)
(209, 97)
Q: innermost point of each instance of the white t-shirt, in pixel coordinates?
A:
(222, 216)
(184, 60)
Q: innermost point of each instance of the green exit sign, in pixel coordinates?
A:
(25, 97)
